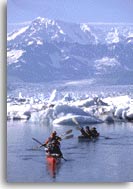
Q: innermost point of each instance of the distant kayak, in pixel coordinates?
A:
(83, 138)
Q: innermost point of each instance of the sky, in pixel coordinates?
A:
(78, 11)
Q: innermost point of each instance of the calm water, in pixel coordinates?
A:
(106, 160)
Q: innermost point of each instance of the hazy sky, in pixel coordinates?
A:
(71, 10)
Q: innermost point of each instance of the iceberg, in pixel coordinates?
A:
(68, 120)
(64, 109)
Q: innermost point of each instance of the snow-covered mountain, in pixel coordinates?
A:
(47, 50)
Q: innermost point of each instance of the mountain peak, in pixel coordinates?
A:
(41, 19)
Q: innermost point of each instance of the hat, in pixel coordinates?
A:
(87, 127)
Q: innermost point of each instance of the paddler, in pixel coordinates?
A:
(83, 132)
(53, 144)
(94, 132)
(88, 131)
(53, 139)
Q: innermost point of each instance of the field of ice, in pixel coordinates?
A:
(61, 108)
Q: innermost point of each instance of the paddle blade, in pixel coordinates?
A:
(69, 131)
(75, 121)
(68, 137)
(37, 141)
(64, 158)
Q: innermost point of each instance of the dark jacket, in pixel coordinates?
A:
(83, 132)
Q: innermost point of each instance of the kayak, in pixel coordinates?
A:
(53, 160)
(83, 138)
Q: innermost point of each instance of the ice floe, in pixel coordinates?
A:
(85, 109)
(81, 119)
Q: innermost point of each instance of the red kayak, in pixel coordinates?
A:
(53, 160)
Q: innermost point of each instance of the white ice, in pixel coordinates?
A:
(85, 110)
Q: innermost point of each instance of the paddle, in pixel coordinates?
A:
(75, 121)
(63, 158)
(65, 137)
(79, 127)
(37, 141)
(68, 137)
(65, 133)
(37, 147)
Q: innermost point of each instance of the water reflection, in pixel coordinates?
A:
(102, 160)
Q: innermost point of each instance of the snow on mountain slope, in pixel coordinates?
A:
(52, 49)
(81, 33)
(106, 64)
(13, 35)
(51, 30)
(14, 55)
(113, 36)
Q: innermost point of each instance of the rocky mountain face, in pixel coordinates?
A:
(49, 50)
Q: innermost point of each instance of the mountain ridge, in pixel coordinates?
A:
(48, 50)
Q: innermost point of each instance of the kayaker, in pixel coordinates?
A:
(94, 132)
(88, 131)
(55, 149)
(52, 144)
(83, 132)
(53, 139)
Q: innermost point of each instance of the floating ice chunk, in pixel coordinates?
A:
(129, 114)
(68, 120)
(36, 116)
(118, 113)
(118, 100)
(20, 117)
(85, 102)
(17, 111)
(67, 109)
(109, 119)
(48, 114)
